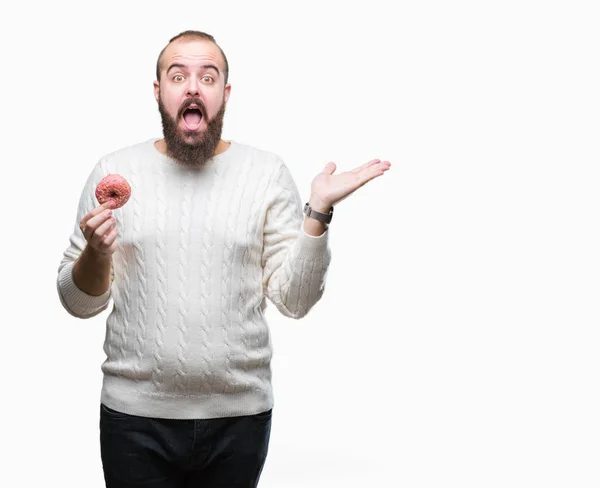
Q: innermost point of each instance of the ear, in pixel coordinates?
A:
(156, 90)
(227, 92)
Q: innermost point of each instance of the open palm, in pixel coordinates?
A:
(328, 189)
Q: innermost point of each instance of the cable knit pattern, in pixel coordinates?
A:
(124, 297)
(138, 252)
(121, 326)
(111, 335)
(199, 252)
(181, 379)
(123, 292)
(161, 278)
(249, 264)
(240, 188)
(206, 376)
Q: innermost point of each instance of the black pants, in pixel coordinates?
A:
(158, 453)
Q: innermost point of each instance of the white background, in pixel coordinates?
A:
(457, 343)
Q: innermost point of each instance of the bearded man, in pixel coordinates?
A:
(212, 229)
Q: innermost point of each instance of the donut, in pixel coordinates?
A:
(113, 187)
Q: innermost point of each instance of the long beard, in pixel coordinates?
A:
(204, 144)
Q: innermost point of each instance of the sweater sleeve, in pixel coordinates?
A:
(294, 263)
(75, 301)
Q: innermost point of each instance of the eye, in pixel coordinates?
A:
(178, 78)
(207, 79)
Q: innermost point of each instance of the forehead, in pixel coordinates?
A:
(192, 51)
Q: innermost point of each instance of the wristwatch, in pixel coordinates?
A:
(313, 214)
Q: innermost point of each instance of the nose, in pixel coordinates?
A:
(193, 86)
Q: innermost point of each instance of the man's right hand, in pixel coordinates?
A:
(92, 270)
(98, 228)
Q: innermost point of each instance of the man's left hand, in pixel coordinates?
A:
(328, 189)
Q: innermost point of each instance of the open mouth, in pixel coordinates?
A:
(192, 117)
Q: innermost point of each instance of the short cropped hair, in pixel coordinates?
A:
(192, 34)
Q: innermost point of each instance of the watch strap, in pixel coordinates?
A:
(313, 214)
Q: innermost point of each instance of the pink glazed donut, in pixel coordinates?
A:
(113, 187)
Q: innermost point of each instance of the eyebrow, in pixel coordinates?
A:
(183, 66)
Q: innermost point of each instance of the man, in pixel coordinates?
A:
(211, 230)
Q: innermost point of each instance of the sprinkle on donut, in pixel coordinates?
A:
(113, 187)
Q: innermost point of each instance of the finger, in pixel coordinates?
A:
(94, 223)
(95, 213)
(105, 228)
(366, 165)
(107, 244)
(110, 238)
(97, 210)
(100, 233)
(375, 168)
(99, 219)
(112, 248)
(329, 168)
(371, 173)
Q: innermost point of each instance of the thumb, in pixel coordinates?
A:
(330, 168)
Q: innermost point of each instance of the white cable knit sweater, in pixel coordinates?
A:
(198, 252)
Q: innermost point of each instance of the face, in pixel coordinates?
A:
(191, 99)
